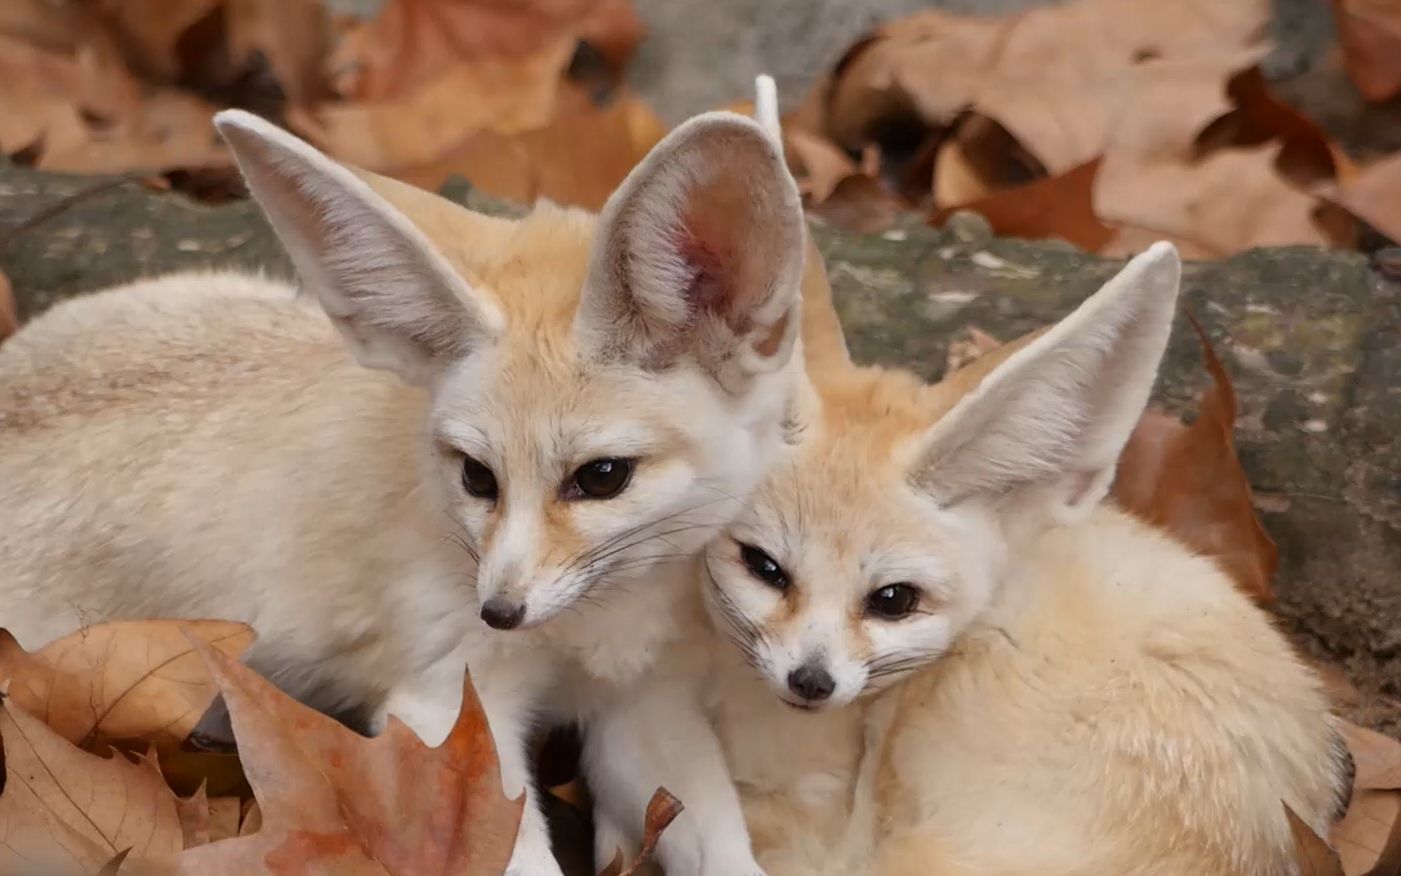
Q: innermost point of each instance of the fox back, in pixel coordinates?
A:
(532, 416)
(1121, 709)
(1003, 675)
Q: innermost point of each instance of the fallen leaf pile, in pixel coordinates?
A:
(521, 97)
(84, 791)
(1107, 123)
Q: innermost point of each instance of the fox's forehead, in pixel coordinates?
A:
(845, 492)
(542, 406)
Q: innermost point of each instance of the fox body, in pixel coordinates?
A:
(953, 660)
(541, 422)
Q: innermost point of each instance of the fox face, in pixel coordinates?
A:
(864, 555)
(605, 391)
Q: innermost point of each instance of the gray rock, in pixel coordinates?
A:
(1311, 338)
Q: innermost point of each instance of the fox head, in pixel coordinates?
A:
(604, 391)
(867, 551)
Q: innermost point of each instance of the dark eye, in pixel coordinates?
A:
(478, 479)
(602, 478)
(892, 601)
(763, 567)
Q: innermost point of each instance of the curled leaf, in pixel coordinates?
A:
(130, 682)
(332, 800)
(1189, 481)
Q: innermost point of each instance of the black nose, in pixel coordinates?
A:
(501, 614)
(811, 682)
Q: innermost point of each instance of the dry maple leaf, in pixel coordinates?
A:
(414, 42)
(1058, 206)
(67, 811)
(1376, 759)
(1156, 181)
(293, 35)
(1368, 838)
(1188, 480)
(132, 681)
(335, 802)
(579, 158)
(1050, 75)
(150, 29)
(1229, 202)
(83, 111)
(1372, 196)
(504, 95)
(1314, 855)
(662, 810)
(1370, 34)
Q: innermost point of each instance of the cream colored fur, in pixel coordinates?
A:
(1076, 694)
(202, 445)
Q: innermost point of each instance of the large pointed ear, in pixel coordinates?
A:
(700, 255)
(1057, 413)
(399, 304)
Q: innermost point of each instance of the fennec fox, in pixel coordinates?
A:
(954, 660)
(588, 399)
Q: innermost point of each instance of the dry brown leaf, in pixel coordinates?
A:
(1374, 196)
(75, 811)
(294, 36)
(579, 158)
(661, 812)
(84, 112)
(956, 177)
(1376, 758)
(1228, 202)
(1051, 76)
(1388, 862)
(113, 866)
(332, 800)
(1188, 480)
(1308, 154)
(1362, 835)
(1370, 34)
(818, 164)
(1155, 182)
(9, 313)
(1314, 855)
(225, 815)
(862, 204)
(1059, 206)
(150, 29)
(220, 774)
(57, 27)
(413, 43)
(252, 819)
(838, 189)
(194, 819)
(505, 96)
(127, 682)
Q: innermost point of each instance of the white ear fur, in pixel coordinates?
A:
(399, 304)
(1058, 413)
(700, 253)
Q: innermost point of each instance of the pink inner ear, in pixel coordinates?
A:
(708, 288)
